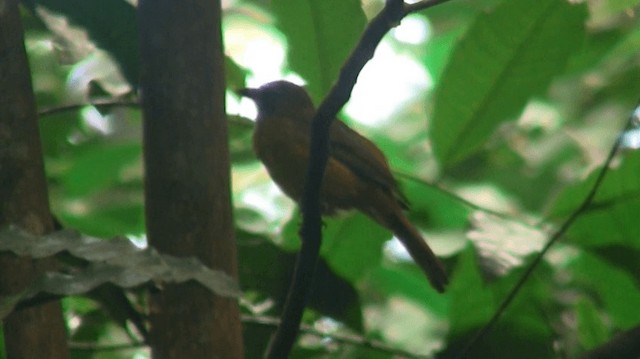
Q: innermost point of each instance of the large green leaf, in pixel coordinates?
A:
(99, 167)
(353, 246)
(409, 284)
(438, 209)
(107, 220)
(506, 56)
(591, 326)
(438, 49)
(320, 36)
(615, 288)
(471, 303)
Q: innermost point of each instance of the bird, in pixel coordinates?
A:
(357, 175)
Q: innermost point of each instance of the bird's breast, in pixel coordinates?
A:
(283, 147)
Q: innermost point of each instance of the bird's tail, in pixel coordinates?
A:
(419, 251)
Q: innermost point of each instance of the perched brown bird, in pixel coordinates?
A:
(357, 175)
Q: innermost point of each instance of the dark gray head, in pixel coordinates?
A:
(280, 98)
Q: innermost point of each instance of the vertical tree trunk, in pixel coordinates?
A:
(187, 189)
(37, 332)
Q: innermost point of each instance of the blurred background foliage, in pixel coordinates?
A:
(494, 115)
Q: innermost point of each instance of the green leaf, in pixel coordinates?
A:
(471, 303)
(240, 135)
(438, 50)
(290, 237)
(591, 327)
(98, 168)
(615, 288)
(623, 257)
(320, 36)
(108, 220)
(409, 284)
(55, 133)
(597, 46)
(352, 246)
(234, 74)
(440, 210)
(506, 56)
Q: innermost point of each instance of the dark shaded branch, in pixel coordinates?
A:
(310, 232)
(77, 106)
(554, 239)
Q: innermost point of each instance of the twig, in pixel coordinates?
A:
(554, 239)
(390, 16)
(270, 322)
(233, 119)
(77, 106)
(463, 200)
(347, 339)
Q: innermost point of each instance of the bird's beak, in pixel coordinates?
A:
(248, 92)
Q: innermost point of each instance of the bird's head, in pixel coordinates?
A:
(280, 98)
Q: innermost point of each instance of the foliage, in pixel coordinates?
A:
(519, 105)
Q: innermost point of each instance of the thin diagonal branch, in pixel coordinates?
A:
(463, 200)
(554, 239)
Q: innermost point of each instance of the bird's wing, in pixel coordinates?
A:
(363, 157)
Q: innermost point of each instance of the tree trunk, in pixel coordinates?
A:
(187, 186)
(37, 332)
